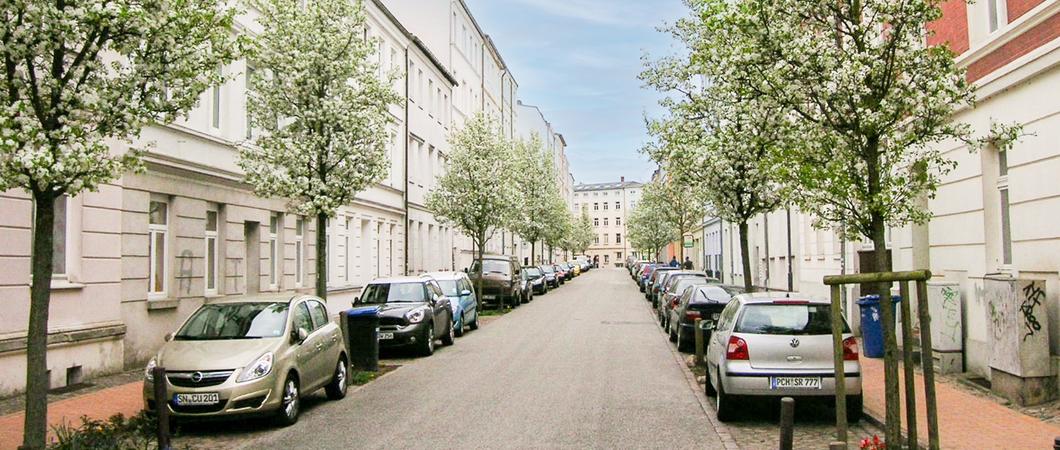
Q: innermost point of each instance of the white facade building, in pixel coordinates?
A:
(608, 205)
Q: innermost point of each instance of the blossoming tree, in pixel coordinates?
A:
(322, 108)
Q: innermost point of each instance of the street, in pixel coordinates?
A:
(581, 367)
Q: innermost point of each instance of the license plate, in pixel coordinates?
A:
(386, 336)
(795, 382)
(489, 297)
(211, 398)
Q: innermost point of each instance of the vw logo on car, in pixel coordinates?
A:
(794, 342)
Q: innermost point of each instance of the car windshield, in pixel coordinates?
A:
(787, 319)
(679, 285)
(533, 271)
(378, 294)
(235, 321)
(494, 266)
(548, 269)
(451, 288)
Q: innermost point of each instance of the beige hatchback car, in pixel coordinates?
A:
(254, 355)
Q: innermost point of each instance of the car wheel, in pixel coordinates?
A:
(460, 326)
(450, 336)
(723, 403)
(473, 325)
(682, 343)
(427, 348)
(336, 389)
(290, 402)
(708, 387)
(855, 404)
(673, 336)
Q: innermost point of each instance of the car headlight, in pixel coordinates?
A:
(148, 371)
(257, 369)
(416, 315)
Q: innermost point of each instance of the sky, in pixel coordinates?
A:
(578, 61)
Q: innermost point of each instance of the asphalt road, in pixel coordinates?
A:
(581, 367)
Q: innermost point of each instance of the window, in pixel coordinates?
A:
(211, 252)
(412, 83)
(157, 229)
(607, 259)
(605, 239)
(596, 206)
(618, 238)
(249, 85)
(346, 225)
(596, 222)
(299, 252)
(997, 14)
(215, 114)
(274, 250)
(596, 239)
(605, 206)
(432, 106)
(59, 236)
(319, 314)
(618, 205)
(605, 221)
(618, 221)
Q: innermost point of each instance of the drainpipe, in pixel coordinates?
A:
(721, 250)
(405, 187)
(791, 280)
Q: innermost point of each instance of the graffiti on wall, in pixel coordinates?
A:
(1032, 298)
(951, 314)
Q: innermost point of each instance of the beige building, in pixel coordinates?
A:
(139, 255)
(608, 205)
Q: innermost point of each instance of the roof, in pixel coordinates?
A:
(607, 186)
(767, 297)
(392, 280)
(415, 40)
(445, 275)
(284, 297)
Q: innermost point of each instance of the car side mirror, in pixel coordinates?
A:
(169, 337)
(465, 292)
(356, 300)
(301, 335)
(465, 270)
(708, 325)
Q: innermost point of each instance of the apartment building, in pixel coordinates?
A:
(608, 205)
(135, 258)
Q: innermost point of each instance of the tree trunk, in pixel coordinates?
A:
(532, 260)
(890, 342)
(480, 243)
(36, 420)
(745, 257)
(681, 247)
(322, 256)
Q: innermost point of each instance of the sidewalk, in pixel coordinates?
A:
(965, 421)
(125, 399)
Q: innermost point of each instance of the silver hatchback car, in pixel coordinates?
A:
(778, 345)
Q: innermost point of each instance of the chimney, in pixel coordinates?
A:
(622, 180)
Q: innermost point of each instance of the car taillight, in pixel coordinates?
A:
(850, 349)
(673, 303)
(692, 315)
(737, 350)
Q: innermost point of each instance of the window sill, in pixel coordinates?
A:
(65, 285)
(162, 304)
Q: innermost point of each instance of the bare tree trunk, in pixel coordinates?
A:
(745, 257)
(480, 243)
(36, 420)
(322, 256)
(890, 342)
(533, 244)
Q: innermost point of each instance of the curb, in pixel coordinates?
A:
(721, 429)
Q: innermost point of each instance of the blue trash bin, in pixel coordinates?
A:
(872, 324)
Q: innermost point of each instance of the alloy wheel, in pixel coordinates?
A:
(290, 399)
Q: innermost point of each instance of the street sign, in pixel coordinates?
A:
(688, 241)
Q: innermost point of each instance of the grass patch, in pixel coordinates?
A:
(699, 371)
(361, 378)
(494, 312)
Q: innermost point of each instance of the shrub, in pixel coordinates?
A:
(116, 433)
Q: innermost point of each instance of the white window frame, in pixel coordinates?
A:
(215, 102)
(210, 241)
(153, 270)
(299, 252)
(996, 15)
(275, 225)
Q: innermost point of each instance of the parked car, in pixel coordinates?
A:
(561, 273)
(256, 355)
(659, 276)
(778, 345)
(551, 279)
(537, 279)
(568, 270)
(672, 287)
(642, 276)
(500, 279)
(526, 286)
(653, 275)
(698, 300)
(585, 261)
(577, 268)
(457, 288)
(413, 312)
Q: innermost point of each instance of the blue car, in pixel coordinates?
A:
(457, 288)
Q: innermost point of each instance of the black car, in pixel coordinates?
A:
(537, 279)
(526, 287)
(698, 302)
(551, 278)
(413, 312)
(500, 279)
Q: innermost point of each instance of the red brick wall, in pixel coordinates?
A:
(1025, 43)
(952, 28)
(1017, 8)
